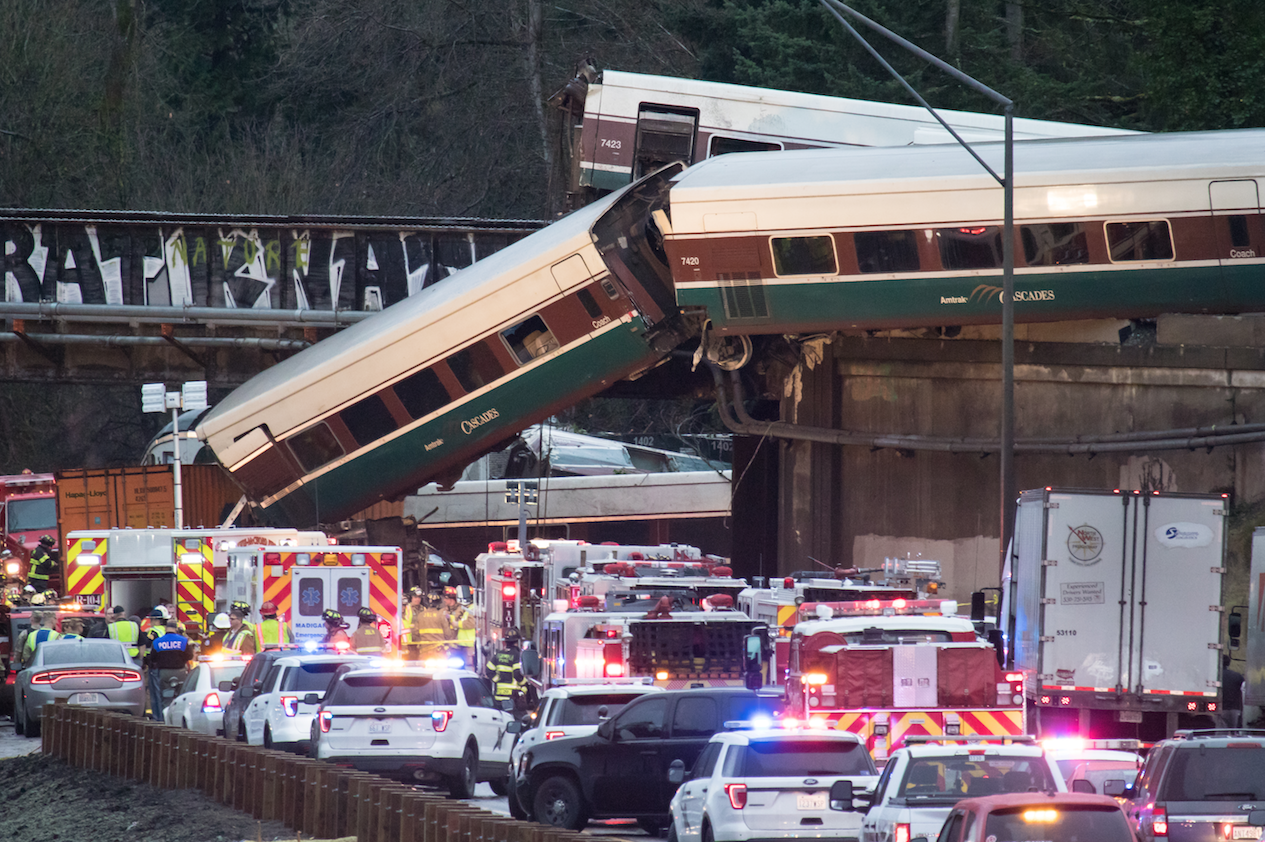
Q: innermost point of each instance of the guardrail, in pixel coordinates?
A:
(317, 799)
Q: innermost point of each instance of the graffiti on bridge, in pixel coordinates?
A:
(231, 266)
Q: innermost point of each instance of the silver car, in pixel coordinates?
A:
(93, 672)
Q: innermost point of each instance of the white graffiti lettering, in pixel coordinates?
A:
(471, 424)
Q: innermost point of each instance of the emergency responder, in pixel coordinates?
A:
(240, 639)
(42, 629)
(220, 626)
(460, 627)
(336, 637)
(43, 563)
(72, 629)
(410, 638)
(367, 640)
(124, 631)
(271, 631)
(159, 613)
(243, 607)
(167, 659)
(505, 671)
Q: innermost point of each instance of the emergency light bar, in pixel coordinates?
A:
(922, 739)
(878, 608)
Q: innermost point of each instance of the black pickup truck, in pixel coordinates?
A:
(622, 770)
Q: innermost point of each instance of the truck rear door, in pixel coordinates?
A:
(1083, 641)
(1177, 611)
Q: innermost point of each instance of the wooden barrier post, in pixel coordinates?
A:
(386, 818)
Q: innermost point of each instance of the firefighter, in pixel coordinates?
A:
(336, 636)
(505, 671)
(220, 626)
(272, 631)
(460, 627)
(240, 639)
(367, 640)
(167, 659)
(43, 563)
(415, 616)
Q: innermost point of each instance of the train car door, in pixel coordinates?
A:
(664, 135)
(315, 589)
(1236, 208)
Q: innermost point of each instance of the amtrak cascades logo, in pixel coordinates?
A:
(471, 424)
(1084, 545)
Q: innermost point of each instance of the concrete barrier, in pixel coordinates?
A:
(318, 800)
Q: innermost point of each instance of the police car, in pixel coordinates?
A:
(280, 715)
(771, 783)
(199, 703)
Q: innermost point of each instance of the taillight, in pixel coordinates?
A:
(342, 646)
(53, 677)
(902, 833)
(439, 719)
(1159, 822)
(613, 669)
(737, 795)
(553, 735)
(211, 704)
(290, 704)
(326, 719)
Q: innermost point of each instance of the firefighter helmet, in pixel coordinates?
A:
(50, 595)
(416, 591)
(239, 605)
(268, 609)
(512, 636)
(156, 613)
(332, 617)
(47, 540)
(367, 615)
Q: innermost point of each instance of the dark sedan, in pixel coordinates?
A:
(92, 672)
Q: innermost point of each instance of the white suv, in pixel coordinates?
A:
(280, 715)
(771, 784)
(922, 782)
(569, 710)
(416, 724)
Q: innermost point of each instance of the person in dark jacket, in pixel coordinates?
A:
(167, 659)
(1231, 695)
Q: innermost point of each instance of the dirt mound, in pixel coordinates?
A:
(47, 800)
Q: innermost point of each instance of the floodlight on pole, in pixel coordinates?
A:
(156, 398)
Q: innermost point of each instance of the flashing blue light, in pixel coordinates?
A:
(457, 663)
(762, 722)
(310, 646)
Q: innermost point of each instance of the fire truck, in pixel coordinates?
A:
(888, 669)
(304, 581)
(136, 568)
(28, 511)
(778, 606)
(676, 649)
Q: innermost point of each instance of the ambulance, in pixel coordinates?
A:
(304, 581)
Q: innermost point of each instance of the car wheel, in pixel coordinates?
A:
(241, 732)
(32, 728)
(511, 798)
(558, 803)
(500, 786)
(672, 829)
(707, 832)
(462, 786)
(267, 737)
(19, 726)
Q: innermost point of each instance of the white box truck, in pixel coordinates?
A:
(1112, 608)
(1252, 646)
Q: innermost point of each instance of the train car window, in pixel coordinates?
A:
(804, 256)
(664, 134)
(368, 420)
(529, 339)
(1239, 237)
(1055, 244)
(726, 145)
(475, 367)
(970, 248)
(421, 393)
(1148, 240)
(886, 251)
(315, 446)
(590, 304)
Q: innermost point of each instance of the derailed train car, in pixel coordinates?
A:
(763, 242)
(431, 383)
(1123, 227)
